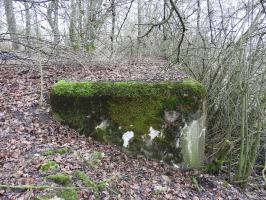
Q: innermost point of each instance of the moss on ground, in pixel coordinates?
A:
(95, 187)
(215, 166)
(64, 193)
(67, 194)
(60, 151)
(49, 166)
(60, 178)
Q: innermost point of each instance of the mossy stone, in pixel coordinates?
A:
(131, 107)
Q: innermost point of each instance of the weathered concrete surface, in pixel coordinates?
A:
(163, 120)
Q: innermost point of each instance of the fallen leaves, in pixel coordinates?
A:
(27, 131)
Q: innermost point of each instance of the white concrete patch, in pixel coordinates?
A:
(126, 137)
(188, 131)
(193, 135)
(153, 133)
(102, 125)
(176, 166)
(177, 144)
(56, 198)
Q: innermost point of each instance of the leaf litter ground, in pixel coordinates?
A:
(30, 138)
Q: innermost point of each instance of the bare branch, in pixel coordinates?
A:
(158, 24)
(125, 18)
(183, 29)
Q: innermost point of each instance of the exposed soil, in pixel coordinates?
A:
(27, 130)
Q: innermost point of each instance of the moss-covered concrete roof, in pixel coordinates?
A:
(127, 88)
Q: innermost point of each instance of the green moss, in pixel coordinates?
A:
(60, 178)
(164, 147)
(220, 157)
(95, 187)
(127, 89)
(57, 117)
(74, 118)
(60, 151)
(109, 136)
(101, 135)
(49, 166)
(44, 197)
(136, 114)
(195, 183)
(195, 86)
(70, 88)
(68, 194)
(64, 193)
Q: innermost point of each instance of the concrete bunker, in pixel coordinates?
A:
(164, 120)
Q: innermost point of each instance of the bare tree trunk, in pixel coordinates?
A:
(210, 19)
(56, 28)
(36, 23)
(80, 20)
(113, 26)
(28, 19)
(164, 18)
(91, 23)
(74, 38)
(11, 22)
(1, 14)
(139, 27)
(28, 22)
(52, 16)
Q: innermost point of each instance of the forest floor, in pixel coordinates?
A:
(30, 139)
